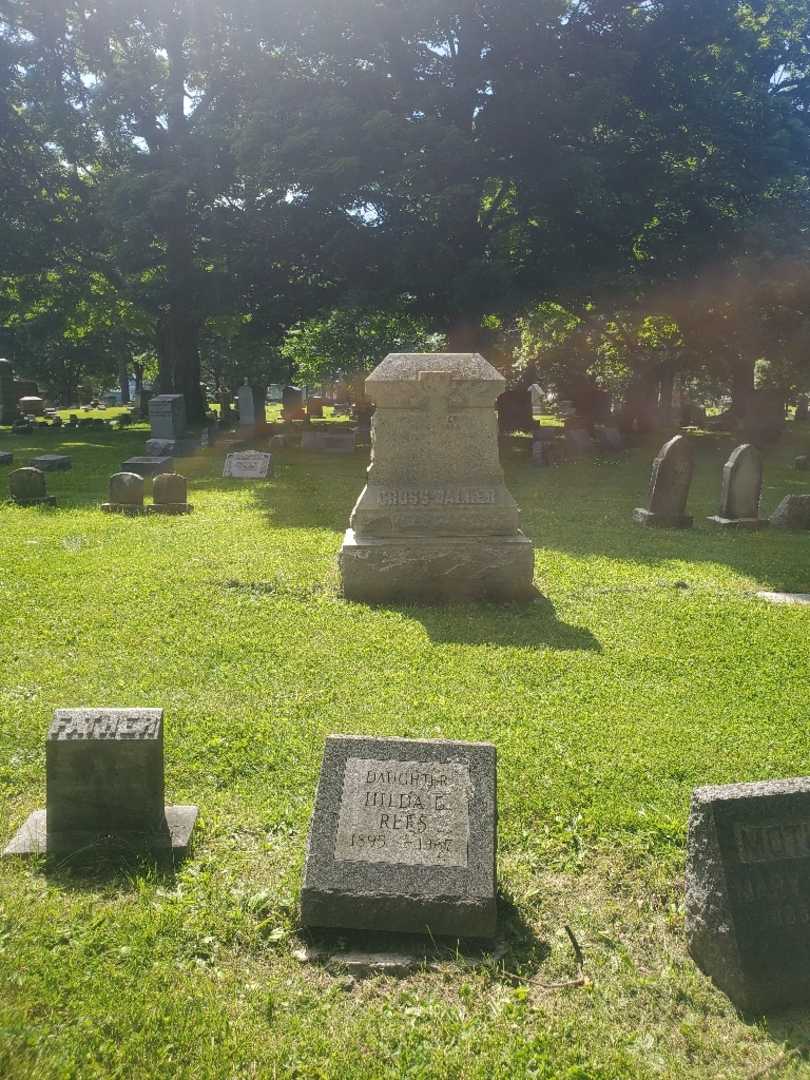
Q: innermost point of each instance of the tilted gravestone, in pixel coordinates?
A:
(793, 512)
(669, 487)
(435, 520)
(27, 487)
(104, 780)
(748, 890)
(741, 490)
(403, 837)
(52, 462)
(8, 395)
(170, 495)
(125, 495)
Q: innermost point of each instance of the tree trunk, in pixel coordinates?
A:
(464, 335)
(742, 385)
(138, 370)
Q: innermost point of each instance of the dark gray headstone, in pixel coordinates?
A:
(8, 395)
(669, 487)
(148, 466)
(167, 416)
(170, 494)
(6, 458)
(748, 890)
(27, 488)
(403, 837)
(104, 778)
(52, 462)
(126, 494)
(793, 512)
(801, 463)
(741, 489)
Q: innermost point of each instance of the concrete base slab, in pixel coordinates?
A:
(31, 838)
(739, 523)
(170, 509)
(123, 508)
(797, 598)
(436, 569)
(660, 521)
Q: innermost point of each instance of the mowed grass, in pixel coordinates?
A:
(648, 668)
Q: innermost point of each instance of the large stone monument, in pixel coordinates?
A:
(8, 394)
(741, 490)
(669, 487)
(748, 890)
(104, 787)
(435, 520)
(167, 419)
(403, 837)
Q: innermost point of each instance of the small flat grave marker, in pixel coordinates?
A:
(104, 779)
(748, 890)
(148, 466)
(51, 462)
(248, 465)
(6, 458)
(403, 837)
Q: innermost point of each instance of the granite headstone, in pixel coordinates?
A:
(793, 512)
(741, 490)
(170, 495)
(669, 487)
(403, 837)
(125, 495)
(27, 487)
(52, 462)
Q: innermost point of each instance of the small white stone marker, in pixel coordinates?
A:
(247, 465)
(785, 597)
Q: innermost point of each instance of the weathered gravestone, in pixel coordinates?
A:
(248, 465)
(6, 457)
(52, 462)
(793, 512)
(435, 520)
(741, 490)
(609, 438)
(331, 442)
(104, 781)
(170, 495)
(148, 466)
(801, 463)
(403, 837)
(292, 403)
(8, 395)
(669, 487)
(27, 487)
(31, 405)
(578, 442)
(167, 419)
(126, 495)
(748, 890)
(247, 406)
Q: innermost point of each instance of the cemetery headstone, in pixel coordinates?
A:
(247, 406)
(435, 520)
(31, 406)
(28, 488)
(741, 490)
(167, 419)
(801, 463)
(403, 837)
(669, 487)
(793, 512)
(610, 438)
(170, 495)
(126, 495)
(148, 466)
(315, 408)
(8, 394)
(334, 442)
(515, 411)
(748, 890)
(292, 403)
(105, 787)
(248, 465)
(764, 419)
(52, 462)
(6, 458)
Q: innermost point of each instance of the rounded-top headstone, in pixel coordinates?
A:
(27, 483)
(170, 488)
(742, 483)
(126, 488)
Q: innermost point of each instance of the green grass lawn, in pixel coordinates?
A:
(648, 668)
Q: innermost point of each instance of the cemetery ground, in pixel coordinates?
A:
(647, 668)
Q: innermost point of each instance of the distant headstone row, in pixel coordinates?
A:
(740, 492)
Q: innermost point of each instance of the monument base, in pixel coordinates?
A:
(148, 466)
(739, 523)
(185, 447)
(172, 509)
(128, 509)
(32, 839)
(45, 500)
(662, 521)
(407, 914)
(436, 569)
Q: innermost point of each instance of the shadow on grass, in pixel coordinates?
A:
(533, 625)
(101, 868)
(792, 1030)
